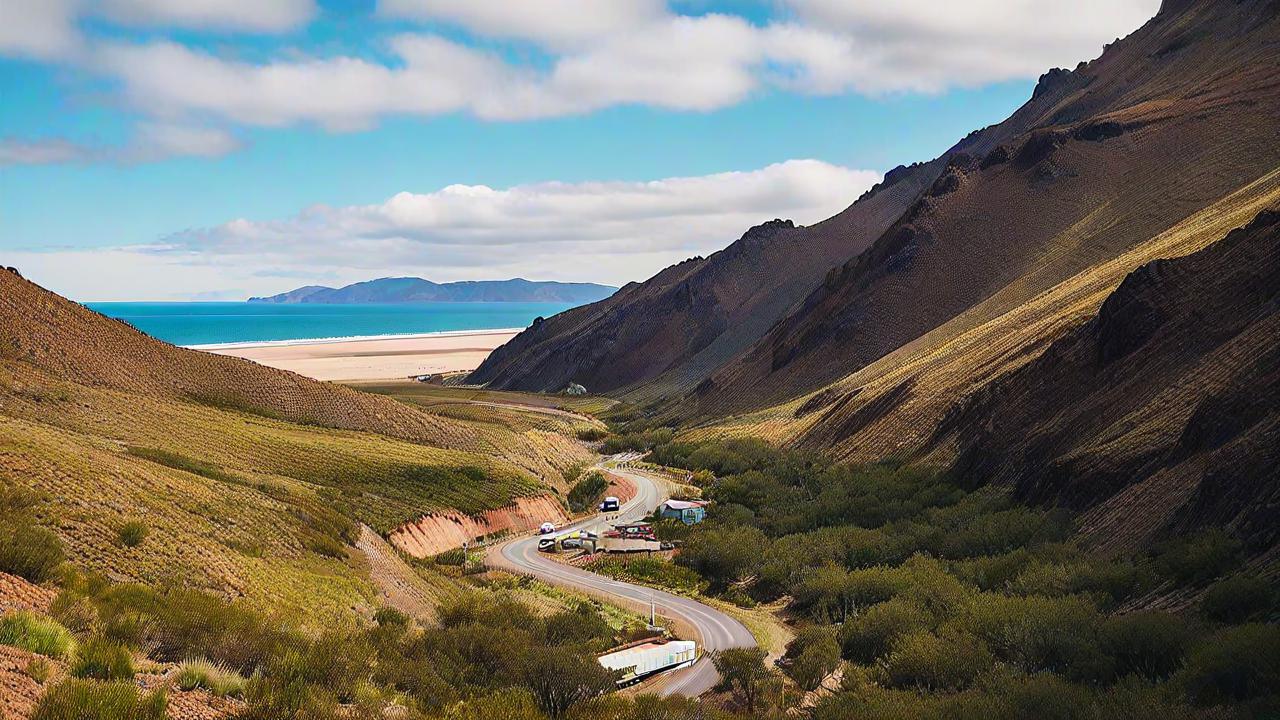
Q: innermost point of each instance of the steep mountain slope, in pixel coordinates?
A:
(1167, 121)
(1100, 160)
(689, 318)
(411, 289)
(1163, 410)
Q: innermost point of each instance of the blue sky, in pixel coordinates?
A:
(220, 148)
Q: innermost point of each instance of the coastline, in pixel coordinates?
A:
(252, 344)
(385, 357)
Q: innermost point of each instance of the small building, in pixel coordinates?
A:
(644, 658)
(689, 512)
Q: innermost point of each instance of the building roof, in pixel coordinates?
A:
(683, 504)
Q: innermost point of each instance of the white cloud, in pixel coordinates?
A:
(925, 45)
(553, 22)
(38, 28)
(267, 16)
(611, 232)
(152, 141)
(631, 53)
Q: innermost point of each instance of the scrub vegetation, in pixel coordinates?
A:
(946, 601)
(489, 654)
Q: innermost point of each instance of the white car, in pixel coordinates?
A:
(610, 504)
(546, 528)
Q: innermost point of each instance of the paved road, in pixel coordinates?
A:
(717, 631)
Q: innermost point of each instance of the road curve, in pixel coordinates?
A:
(716, 630)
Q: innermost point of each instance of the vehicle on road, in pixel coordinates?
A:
(644, 658)
(572, 540)
(610, 504)
(546, 528)
(632, 531)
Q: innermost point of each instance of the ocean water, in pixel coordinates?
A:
(222, 323)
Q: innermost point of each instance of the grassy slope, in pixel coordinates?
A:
(228, 463)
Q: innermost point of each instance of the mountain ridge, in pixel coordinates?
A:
(414, 289)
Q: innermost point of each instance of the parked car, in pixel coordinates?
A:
(610, 504)
(546, 528)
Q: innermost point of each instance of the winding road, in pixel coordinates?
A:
(715, 630)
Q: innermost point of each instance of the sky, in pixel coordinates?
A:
(217, 149)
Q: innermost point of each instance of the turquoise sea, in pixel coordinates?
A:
(221, 323)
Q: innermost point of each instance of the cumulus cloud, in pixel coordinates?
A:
(40, 29)
(686, 63)
(924, 45)
(599, 231)
(266, 16)
(552, 22)
(151, 141)
(48, 29)
(630, 53)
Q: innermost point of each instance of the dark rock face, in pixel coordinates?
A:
(1050, 81)
(785, 311)
(1176, 378)
(999, 156)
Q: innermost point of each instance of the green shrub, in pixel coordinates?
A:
(29, 551)
(36, 634)
(178, 461)
(871, 634)
(591, 434)
(176, 624)
(1235, 664)
(103, 659)
(722, 555)
(649, 571)
(584, 493)
(1150, 644)
(1039, 633)
(1199, 558)
(38, 669)
(811, 656)
(1237, 599)
(324, 545)
(1002, 532)
(923, 660)
(205, 675)
(132, 533)
(391, 617)
(75, 611)
(76, 699)
(561, 677)
(582, 624)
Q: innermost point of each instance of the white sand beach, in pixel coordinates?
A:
(379, 358)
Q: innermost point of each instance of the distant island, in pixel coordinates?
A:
(412, 289)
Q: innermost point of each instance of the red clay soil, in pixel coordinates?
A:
(18, 692)
(18, 594)
(620, 487)
(433, 534)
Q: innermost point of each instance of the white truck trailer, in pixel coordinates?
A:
(644, 658)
